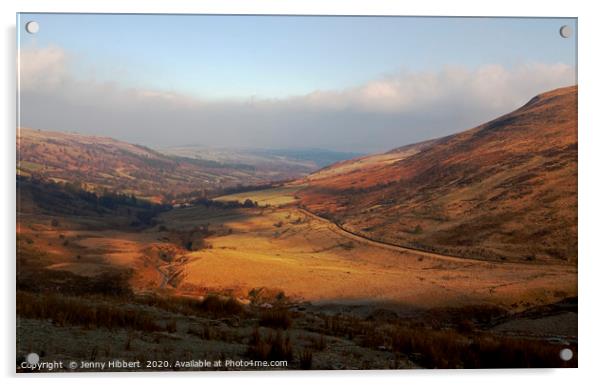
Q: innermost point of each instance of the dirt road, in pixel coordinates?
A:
(392, 247)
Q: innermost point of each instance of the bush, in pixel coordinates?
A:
(220, 306)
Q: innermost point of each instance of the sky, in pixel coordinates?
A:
(363, 84)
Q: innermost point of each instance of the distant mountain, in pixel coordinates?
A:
(504, 190)
(99, 163)
(289, 162)
(318, 157)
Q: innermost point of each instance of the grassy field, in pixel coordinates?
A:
(286, 249)
(299, 289)
(308, 258)
(274, 197)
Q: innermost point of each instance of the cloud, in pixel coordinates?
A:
(488, 87)
(387, 112)
(45, 68)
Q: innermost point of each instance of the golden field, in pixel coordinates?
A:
(285, 248)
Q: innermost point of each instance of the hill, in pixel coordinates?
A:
(100, 164)
(277, 164)
(505, 190)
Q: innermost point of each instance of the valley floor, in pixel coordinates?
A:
(309, 258)
(290, 256)
(285, 248)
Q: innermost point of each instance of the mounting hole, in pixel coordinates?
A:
(566, 31)
(32, 358)
(32, 27)
(566, 354)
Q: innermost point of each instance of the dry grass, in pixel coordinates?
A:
(306, 359)
(275, 196)
(271, 347)
(318, 344)
(451, 349)
(505, 190)
(276, 318)
(433, 347)
(66, 310)
(252, 256)
(211, 304)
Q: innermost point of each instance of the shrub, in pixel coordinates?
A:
(267, 295)
(220, 306)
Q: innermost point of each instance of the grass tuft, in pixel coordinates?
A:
(274, 347)
(276, 318)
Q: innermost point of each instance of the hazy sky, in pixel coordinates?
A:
(344, 83)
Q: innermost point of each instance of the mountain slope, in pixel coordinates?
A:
(277, 164)
(504, 190)
(100, 163)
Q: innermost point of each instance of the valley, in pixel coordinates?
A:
(279, 256)
(104, 164)
(285, 248)
(454, 252)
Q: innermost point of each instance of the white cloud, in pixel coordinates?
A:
(387, 112)
(44, 68)
(487, 87)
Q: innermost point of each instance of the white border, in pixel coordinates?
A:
(590, 148)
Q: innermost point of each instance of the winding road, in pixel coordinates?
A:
(393, 247)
